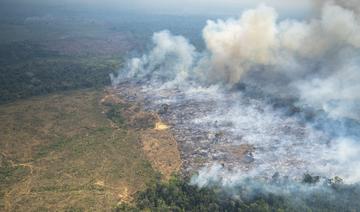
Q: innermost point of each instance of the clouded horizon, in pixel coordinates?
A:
(205, 7)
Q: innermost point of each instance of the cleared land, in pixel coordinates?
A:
(66, 152)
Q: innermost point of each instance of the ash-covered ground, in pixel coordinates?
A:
(242, 133)
(266, 97)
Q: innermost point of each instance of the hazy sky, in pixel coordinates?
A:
(212, 6)
(176, 6)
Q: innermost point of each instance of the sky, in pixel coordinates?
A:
(222, 7)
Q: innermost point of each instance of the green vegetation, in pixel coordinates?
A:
(178, 195)
(60, 148)
(61, 152)
(311, 179)
(115, 115)
(130, 116)
(28, 70)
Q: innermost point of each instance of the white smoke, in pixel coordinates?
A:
(345, 156)
(170, 59)
(337, 94)
(315, 61)
(258, 41)
(235, 46)
(348, 4)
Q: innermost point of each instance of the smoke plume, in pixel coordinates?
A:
(315, 62)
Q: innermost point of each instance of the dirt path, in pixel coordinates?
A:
(22, 188)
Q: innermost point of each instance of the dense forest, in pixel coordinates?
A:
(27, 69)
(179, 195)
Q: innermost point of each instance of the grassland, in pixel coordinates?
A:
(61, 152)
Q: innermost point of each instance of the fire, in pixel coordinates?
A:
(161, 126)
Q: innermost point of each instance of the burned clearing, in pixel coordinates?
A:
(241, 133)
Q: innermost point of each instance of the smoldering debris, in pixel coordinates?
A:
(220, 102)
(213, 126)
